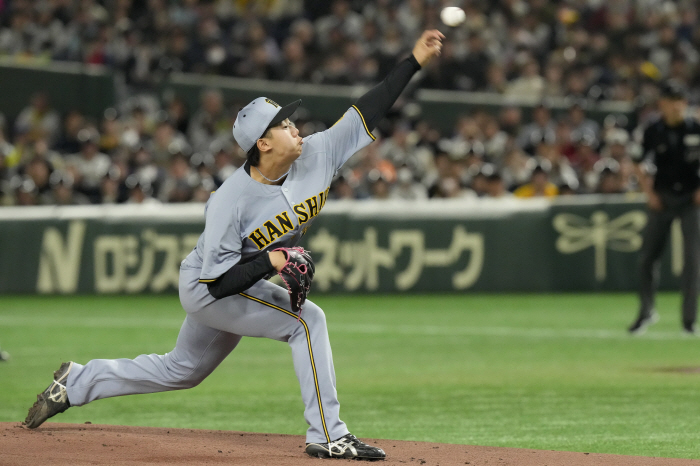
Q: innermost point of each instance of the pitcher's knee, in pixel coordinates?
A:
(312, 314)
(191, 382)
(182, 374)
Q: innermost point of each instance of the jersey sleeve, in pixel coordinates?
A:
(347, 136)
(221, 245)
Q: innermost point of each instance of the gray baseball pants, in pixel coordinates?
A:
(211, 330)
(655, 239)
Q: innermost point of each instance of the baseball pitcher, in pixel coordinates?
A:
(252, 225)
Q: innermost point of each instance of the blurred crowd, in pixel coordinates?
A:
(585, 48)
(150, 150)
(148, 153)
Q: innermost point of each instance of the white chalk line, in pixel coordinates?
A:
(58, 321)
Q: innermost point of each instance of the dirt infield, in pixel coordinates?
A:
(88, 444)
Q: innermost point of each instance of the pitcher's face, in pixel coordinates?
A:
(285, 140)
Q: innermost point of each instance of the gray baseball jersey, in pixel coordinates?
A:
(243, 218)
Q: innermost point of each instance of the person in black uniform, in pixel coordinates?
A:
(672, 145)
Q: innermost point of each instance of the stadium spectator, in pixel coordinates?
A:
(166, 142)
(446, 181)
(553, 81)
(379, 185)
(88, 166)
(402, 149)
(475, 64)
(585, 159)
(341, 188)
(38, 170)
(515, 169)
(478, 180)
(111, 191)
(203, 190)
(68, 142)
(495, 188)
(561, 173)
(225, 160)
(7, 169)
(62, 192)
(111, 132)
(296, 61)
(179, 184)
(343, 22)
(39, 120)
(210, 121)
(582, 125)
(406, 187)
(25, 191)
(539, 184)
(140, 191)
(542, 126)
(529, 83)
(510, 120)
(495, 140)
(178, 114)
(610, 179)
(138, 127)
(334, 70)
(6, 195)
(449, 72)
(615, 144)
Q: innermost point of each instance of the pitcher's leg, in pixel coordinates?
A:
(264, 311)
(313, 363)
(198, 351)
(690, 224)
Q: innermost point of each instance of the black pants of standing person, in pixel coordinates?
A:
(655, 239)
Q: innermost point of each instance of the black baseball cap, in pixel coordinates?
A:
(672, 89)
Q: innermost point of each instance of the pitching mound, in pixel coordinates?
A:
(87, 444)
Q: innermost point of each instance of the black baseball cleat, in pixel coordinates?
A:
(52, 401)
(689, 328)
(347, 446)
(640, 325)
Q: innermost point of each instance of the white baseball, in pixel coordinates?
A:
(452, 16)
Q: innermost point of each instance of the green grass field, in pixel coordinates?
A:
(551, 372)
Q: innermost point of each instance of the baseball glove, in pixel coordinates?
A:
(297, 274)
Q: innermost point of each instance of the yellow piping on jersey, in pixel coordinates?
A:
(311, 355)
(364, 123)
(209, 280)
(339, 119)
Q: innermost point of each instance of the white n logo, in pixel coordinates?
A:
(59, 263)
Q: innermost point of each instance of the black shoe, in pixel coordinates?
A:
(347, 446)
(52, 401)
(640, 325)
(689, 328)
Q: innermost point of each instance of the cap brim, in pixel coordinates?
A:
(284, 113)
